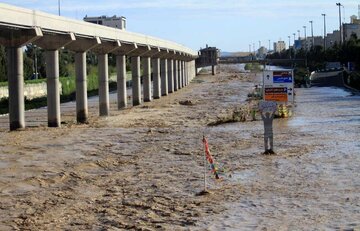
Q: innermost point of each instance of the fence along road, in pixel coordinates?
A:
(172, 64)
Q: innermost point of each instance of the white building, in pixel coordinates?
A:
(115, 22)
(279, 46)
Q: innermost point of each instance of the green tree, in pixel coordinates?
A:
(32, 50)
(3, 76)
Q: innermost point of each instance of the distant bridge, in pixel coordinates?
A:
(234, 60)
(172, 65)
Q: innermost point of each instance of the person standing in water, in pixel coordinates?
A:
(268, 117)
(267, 110)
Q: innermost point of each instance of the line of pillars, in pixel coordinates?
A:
(169, 75)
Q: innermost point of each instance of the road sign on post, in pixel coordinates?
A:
(278, 85)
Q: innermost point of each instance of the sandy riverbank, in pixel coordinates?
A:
(141, 168)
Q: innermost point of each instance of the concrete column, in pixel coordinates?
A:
(183, 73)
(136, 83)
(156, 78)
(194, 71)
(15, 76)
(189, 73)
(147, 78)
(176, 75)
(121, 81)
(104, 105)
(186, 66)
(171, 75)
(179, 74)
(53, 88)
(164, 77)
(81, 88)
(213, 69)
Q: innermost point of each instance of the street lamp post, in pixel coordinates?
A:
(294, 46)
(305, 37)
(35, 62)
(341, 35)
(298, 34)
(312, 34)
(289, 41)
(294, 38)
(269, 45)
(59, 6)
(289, 46)
(324, 15)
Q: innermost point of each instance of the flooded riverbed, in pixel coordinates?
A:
(141, 168)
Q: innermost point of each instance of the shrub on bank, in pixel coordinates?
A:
(254, 67)
(354, 80)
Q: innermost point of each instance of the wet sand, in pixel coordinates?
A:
(142, 167)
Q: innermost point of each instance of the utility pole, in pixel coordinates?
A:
(341, 34)
(324, 15)
(250, 48)
(312, 34)
(269, 44)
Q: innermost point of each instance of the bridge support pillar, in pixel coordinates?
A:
(189, 73)
(170, 67)
(81, 88)
(104, 103)
(156, 78)
(164, 77)
(147, 78)
(16, 87)
(180, 74)
(183, 74)
(121, 81)
(136, 83)
(213, 70)
(176, 75)
(53, 88)
(186, 73)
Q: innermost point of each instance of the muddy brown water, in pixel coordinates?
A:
(141, 168)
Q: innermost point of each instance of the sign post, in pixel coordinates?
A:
(278, 85)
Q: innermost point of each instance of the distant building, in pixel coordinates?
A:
(279, 46)
(262, 52)
(354, 19)
(115, 22)
(208, 56)
(318, 41)
(351, 28)
(332, 38)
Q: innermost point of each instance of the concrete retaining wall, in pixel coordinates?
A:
(31, 91)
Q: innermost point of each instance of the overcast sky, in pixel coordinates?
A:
(231, 25)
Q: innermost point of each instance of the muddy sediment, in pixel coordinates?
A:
(141, 169)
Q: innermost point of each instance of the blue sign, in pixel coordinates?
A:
(282, 79)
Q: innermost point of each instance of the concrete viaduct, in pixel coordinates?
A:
(172, 65)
